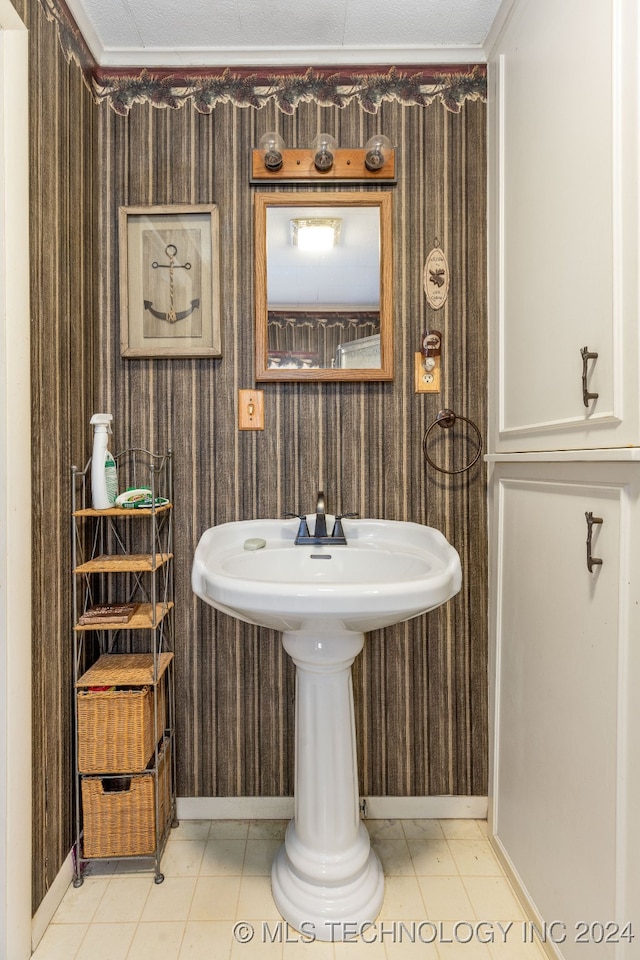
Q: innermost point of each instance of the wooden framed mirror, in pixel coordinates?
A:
(324, 314)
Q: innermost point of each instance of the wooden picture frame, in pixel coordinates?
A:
(169, 281)
(280, 209)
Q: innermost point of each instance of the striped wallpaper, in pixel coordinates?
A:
(420, 688)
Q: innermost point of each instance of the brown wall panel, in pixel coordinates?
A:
(65, 262)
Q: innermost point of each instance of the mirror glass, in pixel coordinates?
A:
(323, 286)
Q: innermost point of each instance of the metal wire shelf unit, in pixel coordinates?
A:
(123, 558)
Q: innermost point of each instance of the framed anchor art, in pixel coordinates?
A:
(170, 281)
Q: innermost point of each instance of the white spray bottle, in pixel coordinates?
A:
(104, 476)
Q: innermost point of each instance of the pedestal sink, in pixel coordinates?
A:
(326, 880)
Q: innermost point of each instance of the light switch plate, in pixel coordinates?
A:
(250, 410)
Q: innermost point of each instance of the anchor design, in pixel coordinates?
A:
(171, 316)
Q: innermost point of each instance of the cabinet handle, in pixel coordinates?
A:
(591, 560)
(586, 356)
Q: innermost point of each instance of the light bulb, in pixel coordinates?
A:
(376, 151)
(272, 145)
(324, 145)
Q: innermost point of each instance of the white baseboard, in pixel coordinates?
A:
(51, 901)
(531, 912)
(426, 808)
(377, 808)
(234, 808)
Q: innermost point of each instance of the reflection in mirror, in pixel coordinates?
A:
(323, 286)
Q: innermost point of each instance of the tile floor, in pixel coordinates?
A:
(446, 898)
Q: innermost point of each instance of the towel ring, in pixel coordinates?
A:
(446, 419)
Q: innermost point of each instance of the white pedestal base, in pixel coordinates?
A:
(326, 880)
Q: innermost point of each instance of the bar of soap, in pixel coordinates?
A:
(255, 543)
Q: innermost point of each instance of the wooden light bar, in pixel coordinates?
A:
(348, 166)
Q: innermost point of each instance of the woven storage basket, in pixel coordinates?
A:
(116, 731)
(121, 821)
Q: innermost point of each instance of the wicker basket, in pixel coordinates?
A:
(120, 812)
(115, 730)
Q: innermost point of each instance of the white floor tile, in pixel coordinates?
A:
(422, 829)
(123, 899)
(60, 941)
(132, 866)
(384, 829)
(395, 857)
(267, 941)
(259, 856)
(513, 947)
(223, 858)
(302, 950)
(182, 858)
(215, 898)
(372, 948)
(463, 951)
(474, 858)
(462, 830)
(268, 830)
(106, 941)
(206, 940)
(409, 943)
(99, 868)
(255, 901)
(156, 941)
(432, 858)
(191, 830)
(79, 904)
(229, 829)
(445, 898)
(169, 901)
(493, 898)
(402, 900)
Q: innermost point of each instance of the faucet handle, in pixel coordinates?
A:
(303, 529)
(337, 527)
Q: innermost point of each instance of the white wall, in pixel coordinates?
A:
(15, 527)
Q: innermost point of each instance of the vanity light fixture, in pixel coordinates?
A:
(323, 161)
(317, 234)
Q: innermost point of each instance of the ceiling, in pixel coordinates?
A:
(143, 33)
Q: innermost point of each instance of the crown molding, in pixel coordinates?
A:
(276, 57)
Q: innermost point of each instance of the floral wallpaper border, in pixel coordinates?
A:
(451, 86)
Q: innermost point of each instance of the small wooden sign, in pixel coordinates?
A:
(436, 277)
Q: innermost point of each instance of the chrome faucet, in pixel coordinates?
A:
(320, 535)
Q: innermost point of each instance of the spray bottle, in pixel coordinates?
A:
(104, 476)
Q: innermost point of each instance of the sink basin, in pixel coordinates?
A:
(326, 880)
(387, 572)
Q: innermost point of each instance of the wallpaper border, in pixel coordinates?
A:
(452, 86)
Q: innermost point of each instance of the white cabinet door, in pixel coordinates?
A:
(565, 797)
(563, 225)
